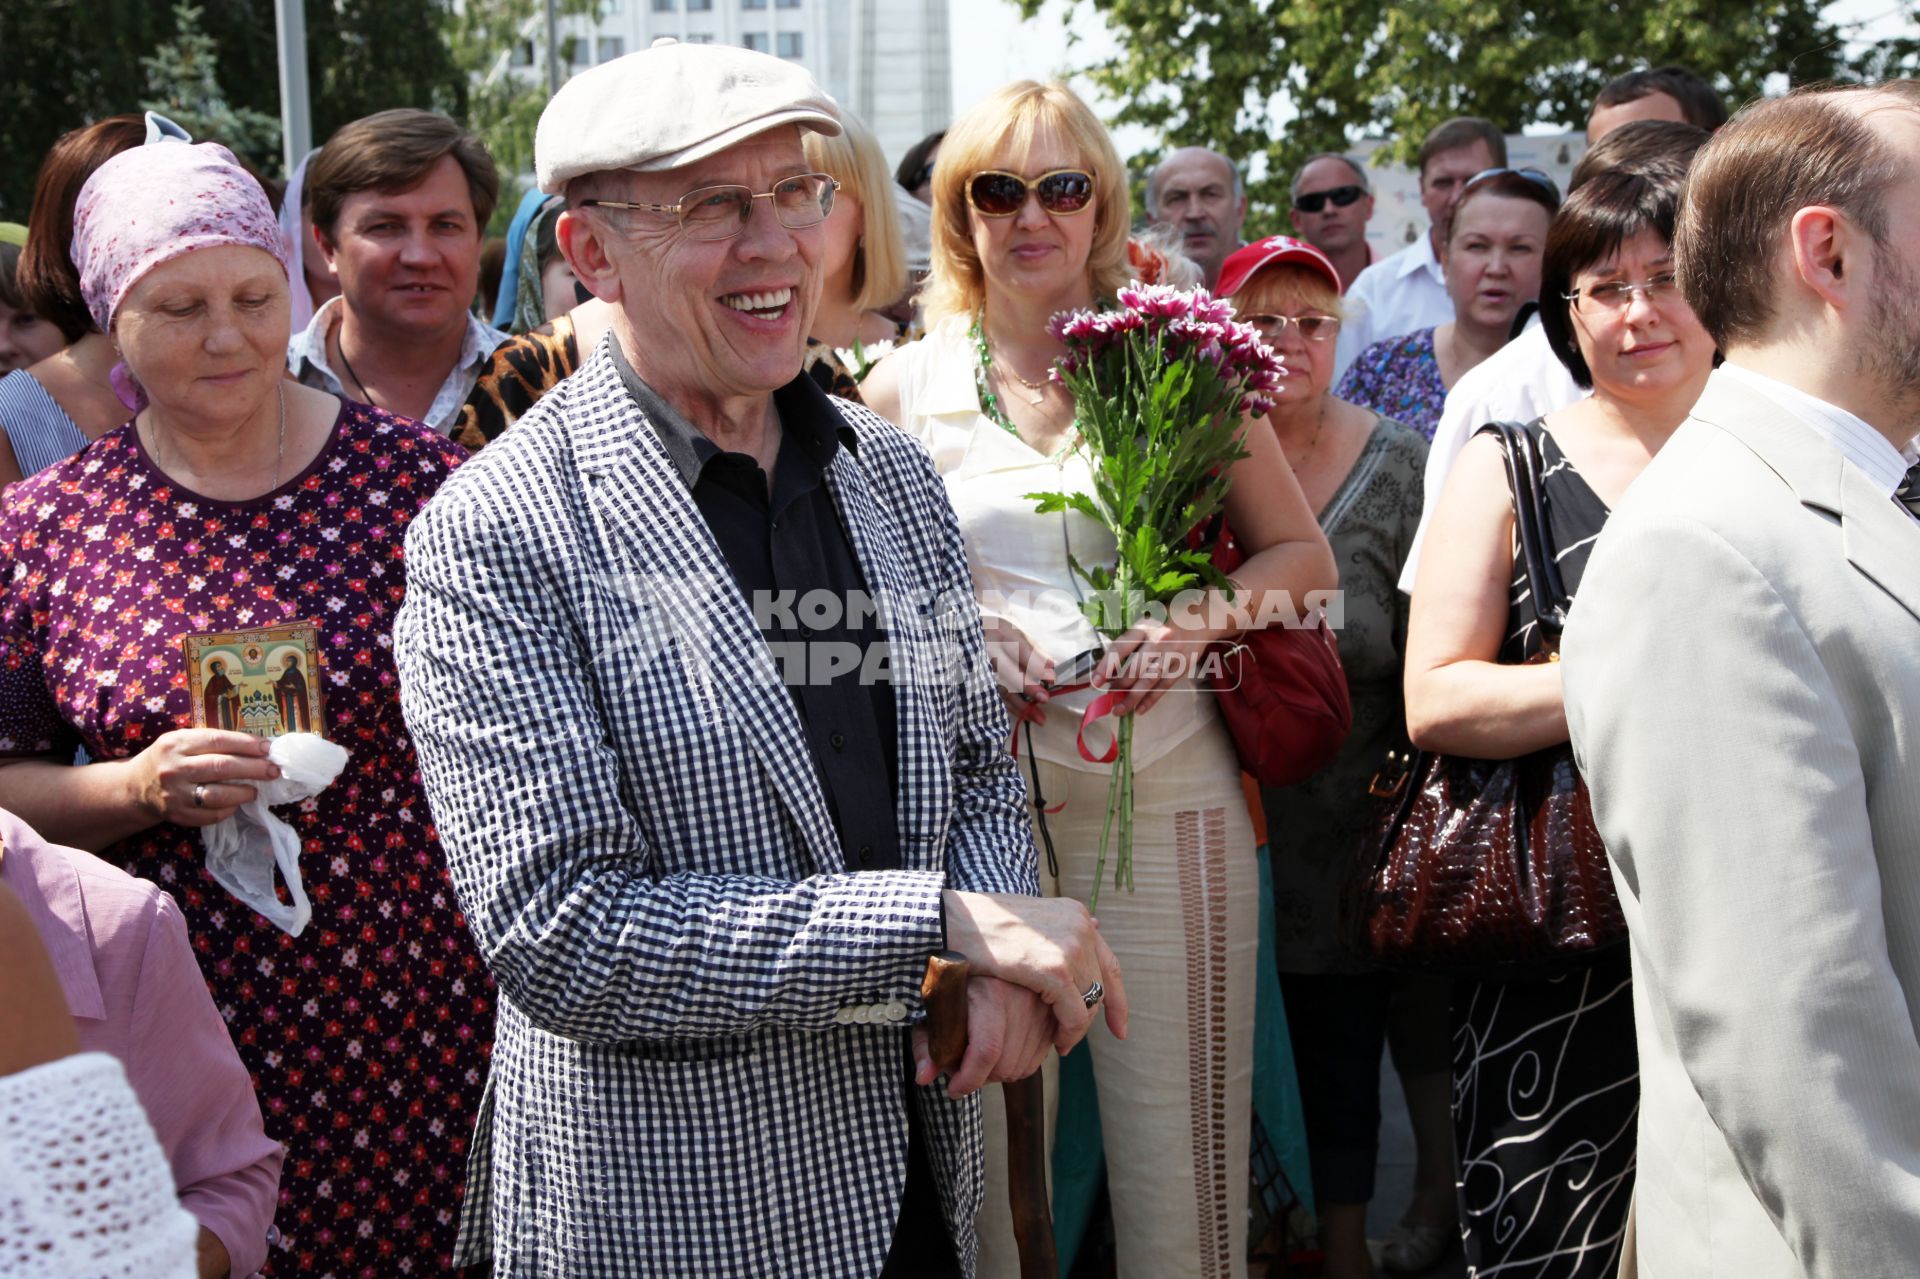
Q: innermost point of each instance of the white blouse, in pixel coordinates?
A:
(84, 1186)
(1019, 557)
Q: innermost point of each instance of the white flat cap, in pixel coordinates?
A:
(670, 105)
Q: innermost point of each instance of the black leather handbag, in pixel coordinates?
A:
(1488, 868)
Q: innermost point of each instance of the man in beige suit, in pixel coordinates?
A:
(1742, 675)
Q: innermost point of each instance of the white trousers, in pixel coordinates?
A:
(1176, 1095)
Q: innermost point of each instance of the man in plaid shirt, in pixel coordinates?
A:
(707, 839)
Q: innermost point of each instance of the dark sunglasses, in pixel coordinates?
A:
(1534, 176)
(994, 194)
(1317, 200)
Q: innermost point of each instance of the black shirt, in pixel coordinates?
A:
(791, 556)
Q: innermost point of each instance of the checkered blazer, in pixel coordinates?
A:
(698, 1067)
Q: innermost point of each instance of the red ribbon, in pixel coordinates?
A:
(1099, 708)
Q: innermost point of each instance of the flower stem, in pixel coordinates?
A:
(1124, 864)
(1100, 862)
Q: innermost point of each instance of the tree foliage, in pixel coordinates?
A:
(183, 83)
(1209, 72)
(504, 102)
(74, 61)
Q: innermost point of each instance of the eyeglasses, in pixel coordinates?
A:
(1314, 328)
(1315, 201)
(1617, 295)
(721, 212)
(1534, 176)
(994, 194)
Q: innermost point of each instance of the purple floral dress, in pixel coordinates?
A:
(367, 1036)
(1400, 379)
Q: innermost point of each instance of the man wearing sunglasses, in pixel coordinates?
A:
(699, 690)
(1408, 291)
(1200, 192)
(1332, 204)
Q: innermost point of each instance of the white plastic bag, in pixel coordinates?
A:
(243, 850)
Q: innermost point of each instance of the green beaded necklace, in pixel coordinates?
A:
(990, 402)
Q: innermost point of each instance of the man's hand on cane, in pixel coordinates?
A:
(1048, 945)
(1009, 1033)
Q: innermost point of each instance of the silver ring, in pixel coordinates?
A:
(1094, 994)
(200, 801)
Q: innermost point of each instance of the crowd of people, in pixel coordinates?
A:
(618, 929)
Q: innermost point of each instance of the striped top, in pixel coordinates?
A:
(38, 428)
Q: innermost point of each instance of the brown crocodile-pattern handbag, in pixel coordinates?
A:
(1488, 867)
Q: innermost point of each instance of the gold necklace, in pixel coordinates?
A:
(1036, 391)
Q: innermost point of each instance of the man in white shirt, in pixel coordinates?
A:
(1744, 704)
(1408, 291)
(399, 202)
(1332, 201)
(1201, 194)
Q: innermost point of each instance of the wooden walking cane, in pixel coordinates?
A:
(944, 991)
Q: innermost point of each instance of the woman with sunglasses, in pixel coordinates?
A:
(1030, 219)
(1545, 1072)
(1361, 471)
(1490, 244)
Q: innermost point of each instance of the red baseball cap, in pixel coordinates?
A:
(1244, 262)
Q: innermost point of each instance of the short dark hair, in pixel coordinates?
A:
(1463, 131)
(1702, 107)
(1772, 160)
(1507, 183)
(393, 151)
(1609, 209)
(1637, 145)
(48, 282)
(908, 174)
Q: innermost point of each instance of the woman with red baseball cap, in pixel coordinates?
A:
(1361, 473)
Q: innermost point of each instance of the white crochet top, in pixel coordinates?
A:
(85, 1191)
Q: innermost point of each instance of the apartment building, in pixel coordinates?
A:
(886, 59)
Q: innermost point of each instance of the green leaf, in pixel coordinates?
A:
(1221, 73)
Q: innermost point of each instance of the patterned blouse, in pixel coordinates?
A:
(1315, 827)
(1399, 378)
(367, 1036)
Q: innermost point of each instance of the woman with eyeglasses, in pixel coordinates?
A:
(1030, 219)
(1546, 1098)
(1361, 471)
(1490, 244)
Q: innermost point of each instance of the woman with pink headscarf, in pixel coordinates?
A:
(237, 500)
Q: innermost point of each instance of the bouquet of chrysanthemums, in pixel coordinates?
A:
(1159, 388)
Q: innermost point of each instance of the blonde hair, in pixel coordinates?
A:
(855, 159)
(1283, 282)
(1011, 118)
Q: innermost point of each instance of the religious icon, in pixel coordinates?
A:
(264, 682)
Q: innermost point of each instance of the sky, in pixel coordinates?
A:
(991, 45)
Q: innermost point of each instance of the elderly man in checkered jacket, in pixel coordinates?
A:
(691, 660)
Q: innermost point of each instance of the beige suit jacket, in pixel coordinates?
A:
(1742, 674)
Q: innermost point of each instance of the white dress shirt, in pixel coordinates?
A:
(1857, 441)
(1521, 381)
(1392, 298)
(307, 360)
